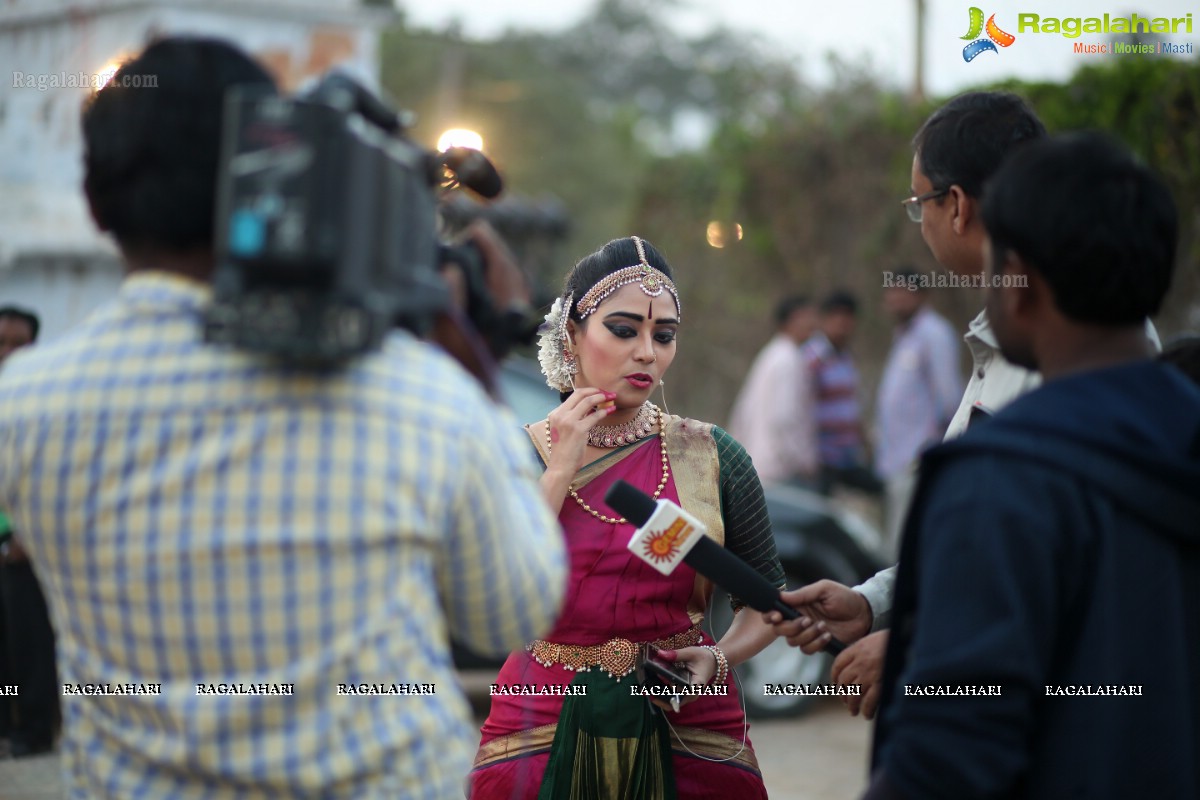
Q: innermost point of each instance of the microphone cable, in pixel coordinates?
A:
(737, 685)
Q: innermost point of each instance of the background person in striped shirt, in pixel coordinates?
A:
(918, 394)
(198, 515)
(841, 442)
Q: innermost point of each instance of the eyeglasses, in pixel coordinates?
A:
(913, 205)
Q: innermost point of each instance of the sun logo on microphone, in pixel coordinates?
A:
(660, 548)
(665, 546)
(995, 36)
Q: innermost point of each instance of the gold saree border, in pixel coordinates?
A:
(515, 745)
(692, 452)
(711, 744)
(695, 465)
(705, 743)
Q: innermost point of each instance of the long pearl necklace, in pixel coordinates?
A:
(666, 471)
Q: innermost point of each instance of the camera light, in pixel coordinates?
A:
(459, 137)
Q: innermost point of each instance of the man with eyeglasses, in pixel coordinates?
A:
(1054, 548)
(913, 206)
(956, 151)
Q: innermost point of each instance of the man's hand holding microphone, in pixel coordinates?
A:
(829, 611)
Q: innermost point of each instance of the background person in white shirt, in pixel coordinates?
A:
(918, 393)
(774, 416)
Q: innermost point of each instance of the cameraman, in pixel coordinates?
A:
(241, 558)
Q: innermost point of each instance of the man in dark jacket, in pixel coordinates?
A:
(1047, 610)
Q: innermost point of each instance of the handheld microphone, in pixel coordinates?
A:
(667, 535)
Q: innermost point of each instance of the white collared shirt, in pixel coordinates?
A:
(995, 382)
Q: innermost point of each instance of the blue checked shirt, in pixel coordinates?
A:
(197, 516)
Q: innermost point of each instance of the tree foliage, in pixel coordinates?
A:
(581, 114)
(537, 122)
(816, 194)
(1153, 105)
(813, 178)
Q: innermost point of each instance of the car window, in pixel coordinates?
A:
(526, 391)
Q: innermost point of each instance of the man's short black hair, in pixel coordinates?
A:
(788, 306)
(839, 300)
(150, 154)
(1100, 227)
(26, 316)
(964, 141)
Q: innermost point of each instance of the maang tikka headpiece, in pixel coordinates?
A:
(652, 280)
(555, 354)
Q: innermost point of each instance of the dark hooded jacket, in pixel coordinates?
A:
(1053, 556)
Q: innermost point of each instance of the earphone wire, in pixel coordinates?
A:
(745, 728)
(737, 687)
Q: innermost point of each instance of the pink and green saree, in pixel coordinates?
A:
(609, 744)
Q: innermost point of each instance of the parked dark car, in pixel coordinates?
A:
(816, 539)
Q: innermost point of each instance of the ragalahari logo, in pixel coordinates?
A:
(995, 36)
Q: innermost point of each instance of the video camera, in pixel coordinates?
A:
(327, 220)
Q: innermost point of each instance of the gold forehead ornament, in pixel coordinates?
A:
(652, 281)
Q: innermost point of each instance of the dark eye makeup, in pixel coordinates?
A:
(664, 336)
(621, 331)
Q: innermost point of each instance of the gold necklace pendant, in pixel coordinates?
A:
(638, 428)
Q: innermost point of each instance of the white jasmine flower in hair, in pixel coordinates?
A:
(550, 349)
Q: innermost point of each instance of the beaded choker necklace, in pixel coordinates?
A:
(617, 435)
(666, 469)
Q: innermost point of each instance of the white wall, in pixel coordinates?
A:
(51, 257)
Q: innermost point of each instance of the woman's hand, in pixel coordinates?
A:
(568, 427)
(699, 662)
(570, 423)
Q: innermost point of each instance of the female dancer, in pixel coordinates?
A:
(566, 722)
